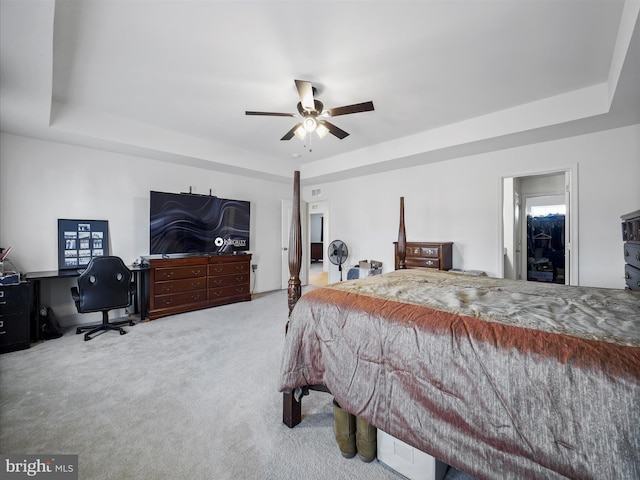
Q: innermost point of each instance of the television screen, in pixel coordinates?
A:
(188, 223)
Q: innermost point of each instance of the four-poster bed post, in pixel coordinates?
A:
(402, 239)
(291, 408)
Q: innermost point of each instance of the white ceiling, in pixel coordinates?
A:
(171, 79)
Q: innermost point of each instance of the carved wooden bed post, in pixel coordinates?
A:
(402, 239)
(295, 246)
(292, 409)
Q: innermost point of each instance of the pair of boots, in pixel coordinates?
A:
(354, 435)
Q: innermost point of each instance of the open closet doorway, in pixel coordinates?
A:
(318, 221)
(539, 222)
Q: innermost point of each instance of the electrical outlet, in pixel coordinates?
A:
(254, 267)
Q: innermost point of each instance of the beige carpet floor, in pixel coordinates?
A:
(191, 396)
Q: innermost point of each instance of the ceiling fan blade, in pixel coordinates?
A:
(271, 114)
(305, 92)
(289, 135)
(338, 132)
(355, 108)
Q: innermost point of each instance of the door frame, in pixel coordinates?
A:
(571, 218)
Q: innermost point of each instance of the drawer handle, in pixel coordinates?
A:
(217, 269)
(168, 288)
(240, 268)
(217, 281)
(3, 303)
(430, 251)
(168, 274)
(626, 252)
(195, 272)
(429, 262)
(627, 276)
(195, 297)
(240, 278)
(167, 301)
(638, 256)
(195, 284)
(239, 289)
(217, 293)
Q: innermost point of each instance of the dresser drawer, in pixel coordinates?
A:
(228, 292)
(179, 286)
(228, 268)
(172, 300)
(176, 273)
(417, 262)
(632, 277)
(632, 254)
(225, 280)
(427, 251)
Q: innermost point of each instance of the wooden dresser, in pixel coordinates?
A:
(187, 283)
(426, 255)
(631, 238)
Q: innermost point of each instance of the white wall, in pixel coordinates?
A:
(460, 201)
(42, 181)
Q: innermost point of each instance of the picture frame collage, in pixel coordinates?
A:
(81, 240)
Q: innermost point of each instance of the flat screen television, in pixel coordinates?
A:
(190, 223)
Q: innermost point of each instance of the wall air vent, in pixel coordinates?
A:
(316, 192)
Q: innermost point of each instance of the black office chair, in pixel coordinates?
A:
(104, 285)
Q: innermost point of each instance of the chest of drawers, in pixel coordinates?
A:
(631, 239)
(193, 282)
(14, 317)
(427, 255)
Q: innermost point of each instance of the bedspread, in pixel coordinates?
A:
(501, 379)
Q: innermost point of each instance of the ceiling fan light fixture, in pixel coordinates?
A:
(310, 124)
(301, 133)
(310, 109)
(321, 130)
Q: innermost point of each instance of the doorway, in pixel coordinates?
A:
(318, 227)
(545, 232)
(538, 224)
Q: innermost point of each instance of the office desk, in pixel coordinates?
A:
(139, 303)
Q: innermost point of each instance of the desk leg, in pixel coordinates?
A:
(143, 295)
(136, 276)
(35, 317)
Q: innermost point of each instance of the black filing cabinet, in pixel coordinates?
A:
(14, 317)
(631, 239)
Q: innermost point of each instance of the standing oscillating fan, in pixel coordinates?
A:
(338, 253)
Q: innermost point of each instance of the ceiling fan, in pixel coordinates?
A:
(312, 113)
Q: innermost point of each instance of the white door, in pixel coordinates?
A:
(286, 212)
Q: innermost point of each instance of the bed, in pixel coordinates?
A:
(499, 378)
